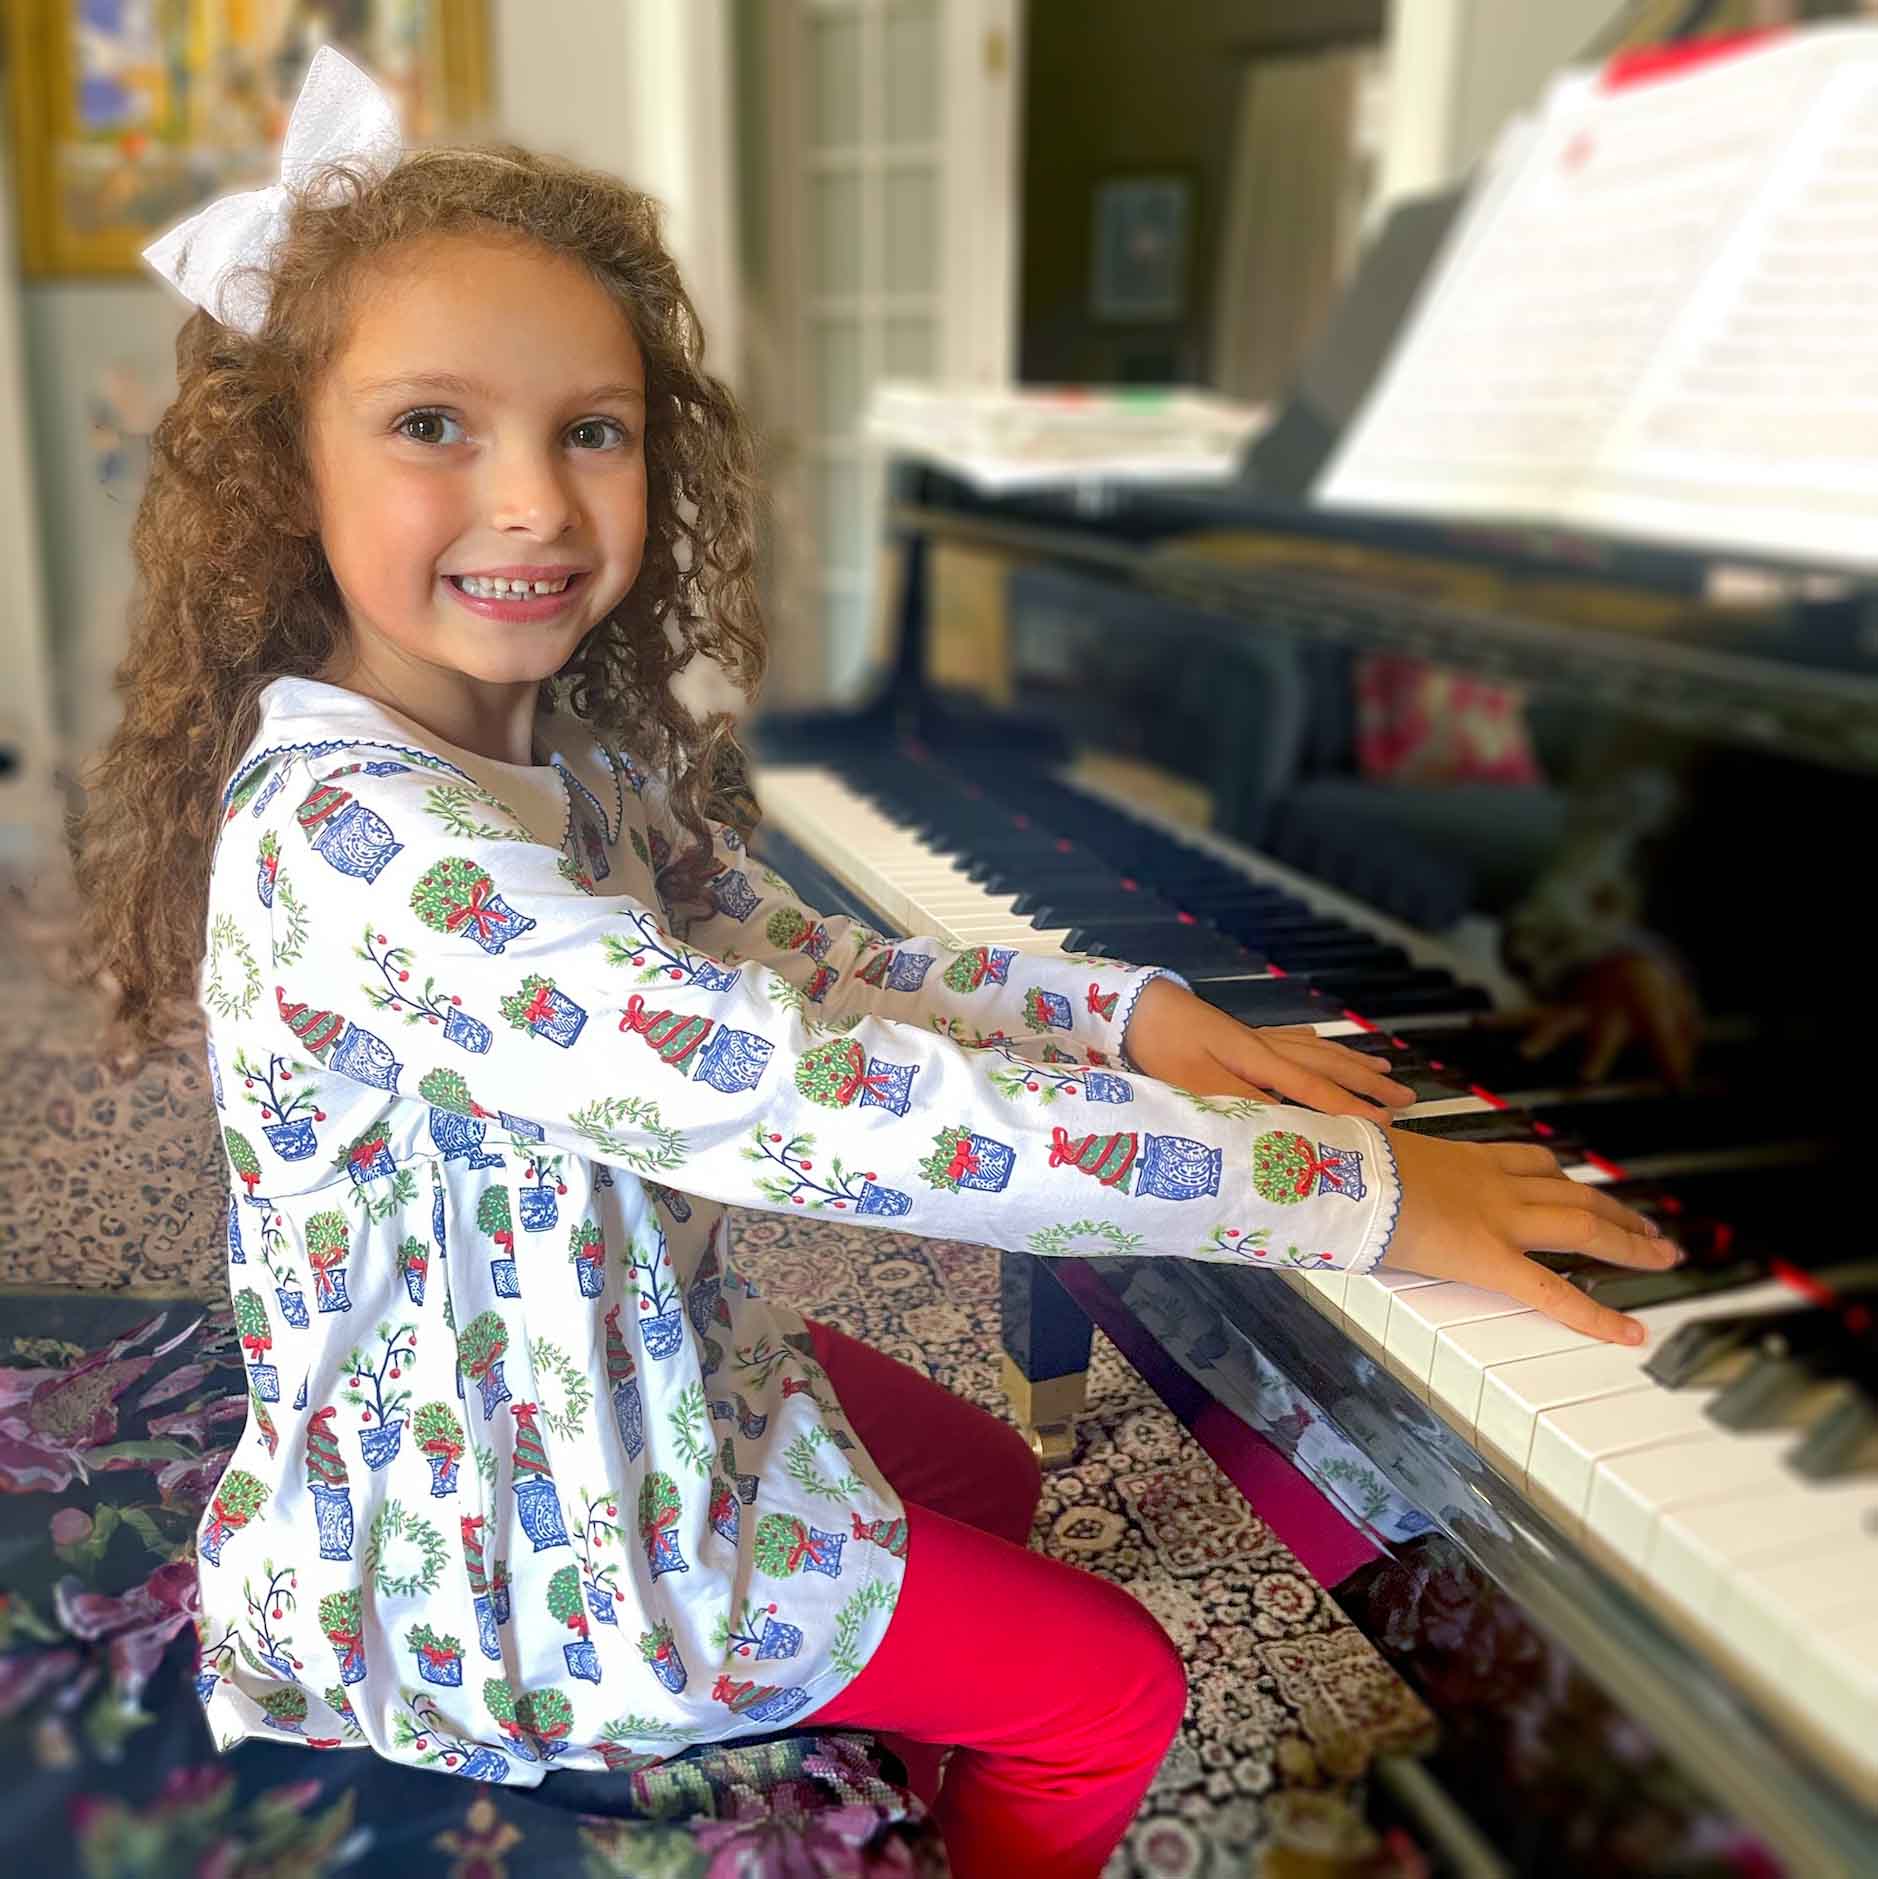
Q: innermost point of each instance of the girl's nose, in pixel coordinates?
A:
(530, 496)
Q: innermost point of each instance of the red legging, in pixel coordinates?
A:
(1060, 1692)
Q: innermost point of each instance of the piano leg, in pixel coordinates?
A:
(1047, 1338)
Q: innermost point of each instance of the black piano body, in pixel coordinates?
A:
(1495, 1547)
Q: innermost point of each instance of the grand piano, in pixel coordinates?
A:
(1687, 1531)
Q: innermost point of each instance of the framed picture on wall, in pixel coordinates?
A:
(1139, 254)
(128, 114)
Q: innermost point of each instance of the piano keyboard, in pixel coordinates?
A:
(1767, 1569)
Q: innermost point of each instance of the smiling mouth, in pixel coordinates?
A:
(494, 587)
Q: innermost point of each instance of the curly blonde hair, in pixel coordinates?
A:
(235, 591)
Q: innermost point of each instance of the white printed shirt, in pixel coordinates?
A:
(531, 1474)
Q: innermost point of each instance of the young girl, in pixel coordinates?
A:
(502, 1013)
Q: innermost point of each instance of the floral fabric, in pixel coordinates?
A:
(531, 1475)
(115, 1416)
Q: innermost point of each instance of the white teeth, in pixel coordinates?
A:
(497, 587)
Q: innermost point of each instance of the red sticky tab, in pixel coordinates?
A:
(1643, 64)
(1608, 1167)
(1804, 1283)
(1357, 1019)
(1486, 1096)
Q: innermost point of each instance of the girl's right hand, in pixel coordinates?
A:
(1472, 1211)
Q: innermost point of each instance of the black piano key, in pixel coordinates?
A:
(1843, 1441)
(1266, 1001)
(1480, 1125)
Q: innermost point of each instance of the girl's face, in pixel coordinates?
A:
(479, 466)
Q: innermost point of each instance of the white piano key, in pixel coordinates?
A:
(1771, 1608)
(1700, 1551)
(1842, 1693)
(1568, 1443)
(1632, 1492)
(1418, 1316)
(1366, 1303)
(1514, 1394)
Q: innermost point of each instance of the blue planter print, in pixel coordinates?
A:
(629, 1417)
(376, 1166)
(380, 1446)
(292, 1306)
(888, 1085)
(447, 1672)
(332, 1513)
(442, 1474)
(486, 1628)
(206, 1680)
(726, 1520)
(672, 1201)
(460, 1138)
(882, 1200)
(906, 972)
(264, 883)
(436, 1214)
(663, 1332)
(662, 1552)
(215, 1075)
(465, 1032)
(1102, 1086)
(496, 923)
(669, 1668)
(520, 1127)
(733, 1060)
(541, 1209)
(281, 1666)
(329, 1289)
(237, 1253)
(266, 1381)
(539, 1509)
(994, 1161)
(291, 1141)
(494, 1387)
(501, 1596)
(1174, 1168)
(351, 1662)
(600, 1605)
(563, 1020)
(714, 978)
(779, 1639)
(365, 1059)
(592, 1276)
(357, 842)
(502, 1277)
(824, 1554)
(414, 1281)
(485, 1765)
(524, 1749)
(1342, 1172)
(732, 894)
(1053, 1009)
(299, 1395)
(777, 1708)
(701, 1302)
(583, 1661)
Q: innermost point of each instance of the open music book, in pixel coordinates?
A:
(1656, 315)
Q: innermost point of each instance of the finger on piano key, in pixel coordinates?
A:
(1516, 1393)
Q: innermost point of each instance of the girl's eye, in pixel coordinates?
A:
(598, 434)
(429, 427)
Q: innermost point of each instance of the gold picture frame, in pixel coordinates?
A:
(127, 115)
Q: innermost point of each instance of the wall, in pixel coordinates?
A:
(1118, 86)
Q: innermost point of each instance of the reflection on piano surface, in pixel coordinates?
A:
(1696, 1519)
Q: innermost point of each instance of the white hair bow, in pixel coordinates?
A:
(339, 116)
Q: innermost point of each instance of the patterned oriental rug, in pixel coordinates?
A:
(116, 1186)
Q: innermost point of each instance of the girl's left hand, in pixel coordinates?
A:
(1182, 1040)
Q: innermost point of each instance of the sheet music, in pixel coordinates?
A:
(1655, 317)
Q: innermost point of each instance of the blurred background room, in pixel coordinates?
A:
(1054, 319)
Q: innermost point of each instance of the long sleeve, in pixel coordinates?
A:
(586, 1021)
(1064, 1007)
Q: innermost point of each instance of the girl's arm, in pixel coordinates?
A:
(620, 1041)
(1030, 1004)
